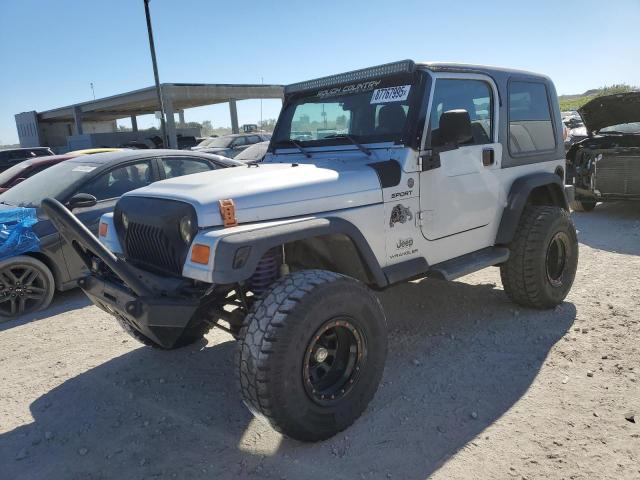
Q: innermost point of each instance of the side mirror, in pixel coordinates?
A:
(455, 128)
(81, 200)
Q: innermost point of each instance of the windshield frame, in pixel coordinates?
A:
(410, 136)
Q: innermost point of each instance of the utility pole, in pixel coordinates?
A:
(261, 83)
(163, 128)
(93, 91)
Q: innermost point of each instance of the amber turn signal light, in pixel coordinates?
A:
(200, 254)
(104, 228)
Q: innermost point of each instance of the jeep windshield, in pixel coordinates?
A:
(373, 111)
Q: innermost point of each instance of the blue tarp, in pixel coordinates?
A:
(16, 233)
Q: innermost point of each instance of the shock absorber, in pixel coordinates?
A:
(265, 274)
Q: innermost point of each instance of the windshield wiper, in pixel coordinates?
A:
(362, 148)
(297, 145)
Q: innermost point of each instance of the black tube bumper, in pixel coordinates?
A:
(162, 319)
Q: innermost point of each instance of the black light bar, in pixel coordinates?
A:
(403, 66)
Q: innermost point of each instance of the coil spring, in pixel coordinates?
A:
(265, 274)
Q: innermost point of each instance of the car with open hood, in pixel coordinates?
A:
(605, 166)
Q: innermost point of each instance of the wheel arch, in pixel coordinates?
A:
(541, 188)
(316, 239)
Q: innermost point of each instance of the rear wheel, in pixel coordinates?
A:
(311, 353)
(583, 205)
(543, 259)
(26, 285)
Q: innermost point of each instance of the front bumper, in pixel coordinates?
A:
(146, 303)
(162, 319)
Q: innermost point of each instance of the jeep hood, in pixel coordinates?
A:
(611, 110)
(270, 191)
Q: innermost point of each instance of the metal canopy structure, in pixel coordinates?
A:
(177, 97)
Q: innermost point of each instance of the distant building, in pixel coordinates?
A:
(93, 123)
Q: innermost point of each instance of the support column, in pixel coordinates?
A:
(181, 118)
(233, 111)
(77, 120)
(134, 123)
(171, 122)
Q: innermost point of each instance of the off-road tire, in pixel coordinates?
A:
(525, 276)
(274, 345)
(583, 205)
(189, 335)
(10, 271)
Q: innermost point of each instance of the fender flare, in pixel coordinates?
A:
(517, 200)
(263, 239)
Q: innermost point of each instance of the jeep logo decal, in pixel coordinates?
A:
(404, 243)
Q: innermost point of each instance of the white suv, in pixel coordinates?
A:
(405, 170)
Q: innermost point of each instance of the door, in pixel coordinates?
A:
(460, 191)
(107, 187)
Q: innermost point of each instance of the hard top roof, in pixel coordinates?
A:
(406, 67)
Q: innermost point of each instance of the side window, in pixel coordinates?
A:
(474, 96)
(119, 181)
(178, 166)
(239, 141)
(254, 139)
(530, 125)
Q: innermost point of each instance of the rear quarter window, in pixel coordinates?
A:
(530, 124)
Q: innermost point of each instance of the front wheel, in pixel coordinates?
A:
(311, 353)
(543, 260)
(26, 285)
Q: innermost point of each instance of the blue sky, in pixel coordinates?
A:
(51, 50)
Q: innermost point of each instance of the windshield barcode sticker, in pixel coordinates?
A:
(391, 94)
(84, 168)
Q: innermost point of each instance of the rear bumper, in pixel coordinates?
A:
(162, 319)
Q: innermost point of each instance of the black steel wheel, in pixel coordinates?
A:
(556, 260)
(311, 353)
(26, 285)
(332, 361)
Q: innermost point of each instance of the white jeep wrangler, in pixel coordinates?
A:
(372, 177)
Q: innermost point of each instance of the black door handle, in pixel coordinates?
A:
(488, 157)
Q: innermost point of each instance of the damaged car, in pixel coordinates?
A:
(605, 166)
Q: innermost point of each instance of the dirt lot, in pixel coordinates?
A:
(474, 388)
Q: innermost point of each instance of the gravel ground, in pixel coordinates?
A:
(475, 387)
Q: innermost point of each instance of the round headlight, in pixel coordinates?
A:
(186, 229)
(125, 221)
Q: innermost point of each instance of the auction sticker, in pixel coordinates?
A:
(391, 94)
(84, 168)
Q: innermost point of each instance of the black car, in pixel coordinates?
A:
(90, 186)
(13, 156)
(230, 145)
(605, 166)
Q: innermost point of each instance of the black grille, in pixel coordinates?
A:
(149, 245)
(152, 237)
(618, 175)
